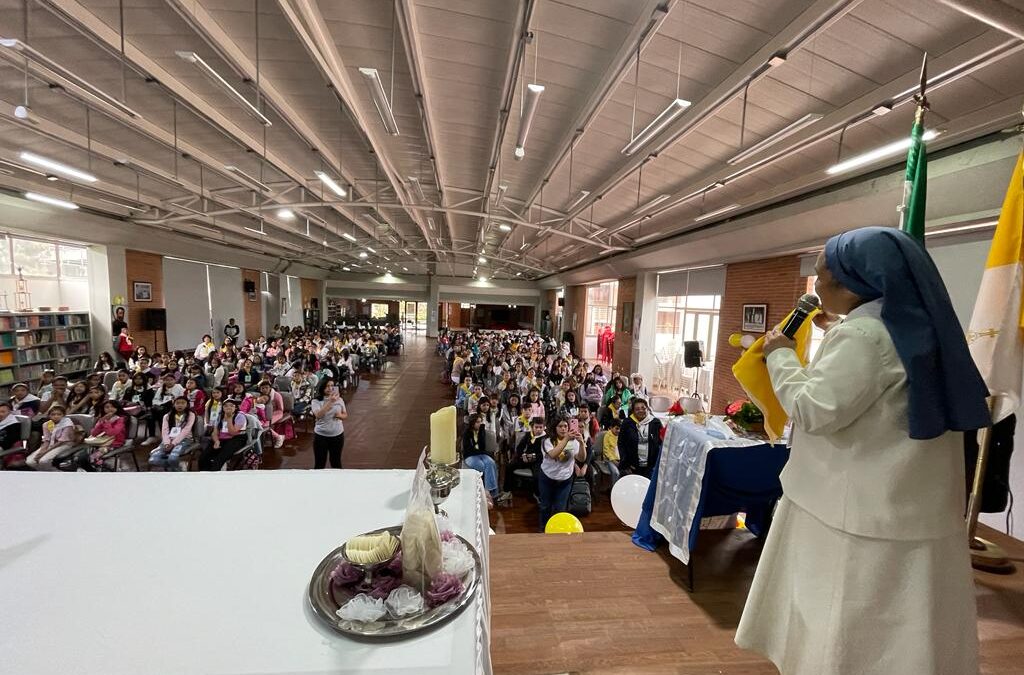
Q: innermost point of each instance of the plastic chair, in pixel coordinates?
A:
(253, 434)
(660, 404)
(190, 452)
(109, 378)
(20, 446)
(128, 449)
(283, 384)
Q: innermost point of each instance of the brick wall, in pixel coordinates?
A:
(253, 319)
(146, 267)
(310, 289)
(624, 333)
(579, 308)
(775, 282)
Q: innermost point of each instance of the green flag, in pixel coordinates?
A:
(915, 182)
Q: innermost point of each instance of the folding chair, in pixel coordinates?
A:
(128, 449)
(21, 446)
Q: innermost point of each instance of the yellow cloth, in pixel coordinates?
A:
(751, 372)
(996, 334)
(611, 447)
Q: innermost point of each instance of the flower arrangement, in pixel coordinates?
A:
(743, 413)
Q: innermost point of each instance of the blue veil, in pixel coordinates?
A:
(946, 391)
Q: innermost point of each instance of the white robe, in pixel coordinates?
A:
(866, 569)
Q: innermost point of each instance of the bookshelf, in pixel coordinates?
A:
(31, 342)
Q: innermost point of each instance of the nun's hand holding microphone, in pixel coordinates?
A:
(774, 339)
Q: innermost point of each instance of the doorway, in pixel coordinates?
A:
(414, 315)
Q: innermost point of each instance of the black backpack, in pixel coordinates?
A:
(580, 502)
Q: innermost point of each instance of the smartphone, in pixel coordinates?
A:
(574, 425)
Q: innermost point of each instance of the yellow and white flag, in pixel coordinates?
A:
(996, 334)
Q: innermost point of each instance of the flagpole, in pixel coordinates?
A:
(985, 555)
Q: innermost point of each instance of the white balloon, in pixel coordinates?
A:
(628, 498)
(747, 340)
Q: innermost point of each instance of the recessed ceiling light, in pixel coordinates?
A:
(57, 167)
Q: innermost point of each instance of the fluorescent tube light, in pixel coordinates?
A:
(481, 260)
(504, 227)
(347, 269)
(26, 52)
(781, 134)
(380, 100)
(349, 237)
(888, 150)
(962, 228)
(286, 214)
(405, 269)
(363, 254)
(716, 212)
(533, 92)
(583, 195)
(500, 197)
(417, 189)
(519, 274)
(523, 246)
(666, 117)
(483, 278)
(52, 201)
(371, 249)
(124, 205)
(214, 76)
(331, 184)
(651, 204)
(430, 224)
(247, 180)
(57, 167)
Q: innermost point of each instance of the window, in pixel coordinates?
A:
(682, 317)
(379, 310)
(35, 258)
(5, 256)
(601, 301)
(73, 264)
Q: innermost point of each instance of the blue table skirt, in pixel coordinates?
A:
(735, 479)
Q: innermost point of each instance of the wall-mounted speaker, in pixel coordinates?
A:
(561, 302)
(249, 286)
(154, 319)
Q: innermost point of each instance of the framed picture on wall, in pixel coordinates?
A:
(627, 317)
(755, 318)
(142, 291)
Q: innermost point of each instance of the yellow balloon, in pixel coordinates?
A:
(563, 523)
(735, 340)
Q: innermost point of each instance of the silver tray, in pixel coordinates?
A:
(325, 599)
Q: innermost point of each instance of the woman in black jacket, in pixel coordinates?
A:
(639, 440)
(479, 455)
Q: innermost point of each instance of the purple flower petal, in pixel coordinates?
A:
(395, 566)
(443, 588)
(382, 586)
(447, 535)
(345, 575)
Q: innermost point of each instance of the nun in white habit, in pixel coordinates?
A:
(866, 569)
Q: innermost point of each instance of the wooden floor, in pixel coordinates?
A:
(594, 603)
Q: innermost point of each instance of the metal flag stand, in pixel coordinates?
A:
(985, 555)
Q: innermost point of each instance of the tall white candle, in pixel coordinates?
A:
(442, 435)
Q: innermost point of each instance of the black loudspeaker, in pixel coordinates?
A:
(154, 319)
(692, 356)
(561, 302)
(545, 316)
(249, 286)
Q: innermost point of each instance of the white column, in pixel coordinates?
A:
(108, 277)
(646, 310)
(433, 298)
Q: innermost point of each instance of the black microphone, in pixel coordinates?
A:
(807, 304)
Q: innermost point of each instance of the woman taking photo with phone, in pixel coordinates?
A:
(557, 466)
(328, 410)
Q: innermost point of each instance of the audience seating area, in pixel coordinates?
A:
(123, 406)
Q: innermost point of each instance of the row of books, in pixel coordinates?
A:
(72, 334)
(35, 337)
(16, 321)
(35, 354)
(73, 349)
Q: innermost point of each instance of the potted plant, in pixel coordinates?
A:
(744, 414)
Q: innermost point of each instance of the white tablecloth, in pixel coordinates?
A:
(680, 477)
(194, 573)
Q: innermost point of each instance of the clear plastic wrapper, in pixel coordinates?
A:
(421, 541)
